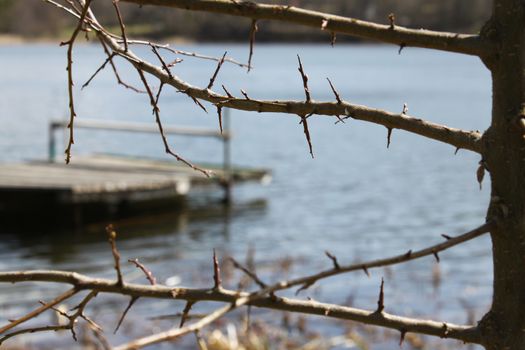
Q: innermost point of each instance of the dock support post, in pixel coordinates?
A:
(227, 165)
(52, 143)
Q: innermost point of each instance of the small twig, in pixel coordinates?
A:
(121, 319)
(33, 330)
(108, 59)
(121, 23)
(219, 116)
(162, 62)
(307, 134)
(392, 20)
(186, 53)
(156, 112)
(115, 71)
(333, 38)
(253, 30)
(405, 108)
(480, 173)
(186, 312)
(381, 300)
(337, 96)
(216, 272)
(64, 296)
(159, 91)
(401, 47)
(245, 95)
(70, 84)
(402, 337)
(214, 76)
(227, 92)
(334, 260)
(149, 275)
(304, 287)
(112, 236)
(388, 137)
(305, 80)
(365, 270)
(249, 273)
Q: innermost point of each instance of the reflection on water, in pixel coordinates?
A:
(356, 199)
(60, 244)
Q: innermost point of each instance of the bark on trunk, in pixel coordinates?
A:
(504, 156)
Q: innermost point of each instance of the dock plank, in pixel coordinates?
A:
(110, 178)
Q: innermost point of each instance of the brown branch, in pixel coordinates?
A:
(32, 330)
(64, 296)
(108, 59)
(388, 137)
(121, 23)
(258, 299)
(305, 80)
(334, 260)
(185, 313)
(112, 237)
(72, 113)
(249, 273)
(337, 96)
(381, 299)
(216, 272)
(307, 134)
(185, 53)
(115, 71)
(149, 275)
(214, 76)
(164, 65)
(470, 140)
(219, 116)
(121, 319)
(462, 43)
(253, 30)
(365, 266)
(156, 112)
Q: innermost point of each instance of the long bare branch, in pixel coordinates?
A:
(470, 140)
(397, 259)
(458, 138)
(81, 282)
(462, 43)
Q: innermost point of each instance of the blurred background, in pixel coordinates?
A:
(356, 199)
(30, 19)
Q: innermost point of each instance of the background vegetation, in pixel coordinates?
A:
(31, 19)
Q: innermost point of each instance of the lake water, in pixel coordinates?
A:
(357, 199)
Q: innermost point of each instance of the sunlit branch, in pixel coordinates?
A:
(470, 140)
(81, 282)
(462, 43)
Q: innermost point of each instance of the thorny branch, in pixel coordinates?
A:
(470, 140)
(454, 42)
(72, 113)
(156, 112)
(264, 297)
(112, 237)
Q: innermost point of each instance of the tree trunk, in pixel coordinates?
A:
(504, 156)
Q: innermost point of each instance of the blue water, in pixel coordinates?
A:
(357, 198)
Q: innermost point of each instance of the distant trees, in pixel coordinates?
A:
(29, 19)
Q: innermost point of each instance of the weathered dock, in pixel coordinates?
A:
(97, 184)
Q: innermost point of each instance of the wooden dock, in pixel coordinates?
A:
(101, 183)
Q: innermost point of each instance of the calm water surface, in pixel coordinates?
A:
(356, 199)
